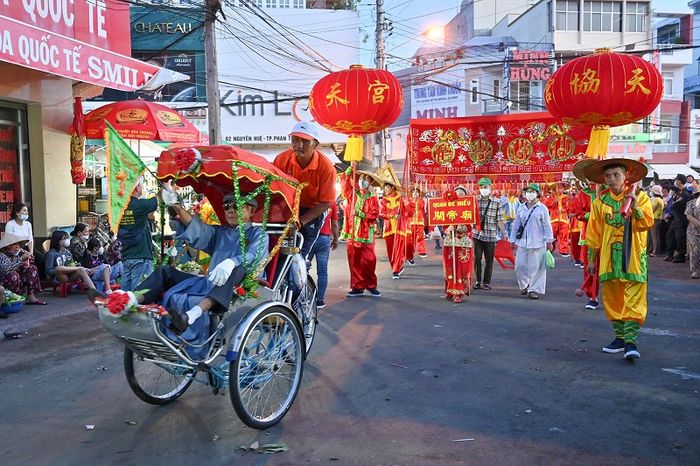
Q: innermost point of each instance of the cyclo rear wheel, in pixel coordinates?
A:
(155, 383)
(265, 376)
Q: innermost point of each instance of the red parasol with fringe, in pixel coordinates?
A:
(210, 170)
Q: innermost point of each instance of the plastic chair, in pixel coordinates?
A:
(63, 289)
(504, 252)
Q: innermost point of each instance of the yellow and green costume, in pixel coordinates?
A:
(624, 282)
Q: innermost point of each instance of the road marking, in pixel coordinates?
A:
(685, 375)
(665, 333)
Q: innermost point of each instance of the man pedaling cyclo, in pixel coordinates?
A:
(186, 296)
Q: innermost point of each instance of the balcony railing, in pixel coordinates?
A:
(669, 148)
(529, 104)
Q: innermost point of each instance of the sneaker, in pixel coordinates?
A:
(400, 271)
(355, 293)
(523, 291)
(564, 255)
(616, 346)
(320, 304)
(486, 286)
(395, 276)
(477, 285)
(423, 255)
(374, 292)
(533, 295)
(631, 352)
(578, 264)
(592, 305)
(411, 262)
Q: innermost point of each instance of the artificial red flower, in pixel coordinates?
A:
(116, 303)
(450, 195)
(240, 291)
(187, 159)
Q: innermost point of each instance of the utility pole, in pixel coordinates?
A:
(380, 158)
(213, 95)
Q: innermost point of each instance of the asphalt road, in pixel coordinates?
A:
(408, 378)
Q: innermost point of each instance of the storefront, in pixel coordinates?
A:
(48, 57)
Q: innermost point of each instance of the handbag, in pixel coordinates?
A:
(521, 228)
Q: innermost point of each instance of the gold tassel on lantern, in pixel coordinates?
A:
(354, 149)
(598, 142)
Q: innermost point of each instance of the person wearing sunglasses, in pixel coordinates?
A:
(187, 296)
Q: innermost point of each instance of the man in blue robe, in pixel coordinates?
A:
(186, 296)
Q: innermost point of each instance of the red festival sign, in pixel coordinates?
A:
(459, 211)
(506, 148)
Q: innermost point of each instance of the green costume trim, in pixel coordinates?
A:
(359, 204)
(631, 329)
(619, 328)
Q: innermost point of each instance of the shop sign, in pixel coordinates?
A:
(461, 211)
(433, 100)
(630, 151)
(531, 65)
(9, 171)
(96, 22)
(73, 39)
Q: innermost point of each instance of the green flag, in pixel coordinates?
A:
(123, 170)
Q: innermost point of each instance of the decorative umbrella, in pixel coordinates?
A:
(142, 120)
(211, 170)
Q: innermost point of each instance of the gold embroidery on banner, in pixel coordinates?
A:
(519, 151)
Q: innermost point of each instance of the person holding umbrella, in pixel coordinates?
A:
(616, 235)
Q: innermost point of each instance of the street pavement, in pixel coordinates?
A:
(408, 378)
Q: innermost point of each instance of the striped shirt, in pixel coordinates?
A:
(490, 213)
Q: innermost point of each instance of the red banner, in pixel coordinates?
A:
(506, 148)
(460, 211)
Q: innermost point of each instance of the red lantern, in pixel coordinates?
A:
(356, 101)
(602, 90)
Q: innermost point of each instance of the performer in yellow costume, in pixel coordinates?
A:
(620, 242)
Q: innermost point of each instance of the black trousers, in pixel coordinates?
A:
(676, 240)
(166, 276)
(483, 249)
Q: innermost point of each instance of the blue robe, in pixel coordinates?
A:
(221, 243)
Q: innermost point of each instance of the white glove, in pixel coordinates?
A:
(221, 272)
(169, 195)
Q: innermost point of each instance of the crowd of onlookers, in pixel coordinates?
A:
(676, 231)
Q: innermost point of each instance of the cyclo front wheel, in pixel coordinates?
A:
(305, 307)
(265, 376)
(155, 382)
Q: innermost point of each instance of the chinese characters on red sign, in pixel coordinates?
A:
(461, 211)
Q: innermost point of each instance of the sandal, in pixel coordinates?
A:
(457, 299)
(486, 286)
(477, 286)
(533, 295)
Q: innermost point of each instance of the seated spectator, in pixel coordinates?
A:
(19, 224)
(101, 273)
(2, 300)
(18, 273)
(57, 270)
(78, 241)
(188, 296)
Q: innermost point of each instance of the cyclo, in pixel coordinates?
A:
(257, 347)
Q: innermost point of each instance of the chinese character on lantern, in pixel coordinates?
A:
(585, 84)
(378, 88)
(333, 96)
(636, 82)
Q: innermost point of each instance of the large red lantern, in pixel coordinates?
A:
(602, 90)
(356, 101)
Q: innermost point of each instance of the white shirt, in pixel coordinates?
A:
(538, 230)
(24, 230)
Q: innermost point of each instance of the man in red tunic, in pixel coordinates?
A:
(361, 214)
(555, 201)
(418, 225)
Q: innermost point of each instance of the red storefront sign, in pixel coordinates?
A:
(460, 211)
(75, 39)
(507, 148)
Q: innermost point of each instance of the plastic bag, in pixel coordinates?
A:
(549, 259)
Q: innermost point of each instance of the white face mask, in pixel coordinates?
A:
(485, 192)
(24, 217)
(85, 237)
(16, 253)
(364, 184)
(101, 250)
(65, 243)
(530, 196)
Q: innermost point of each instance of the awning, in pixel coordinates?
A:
(26, 45)
(668, 171)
